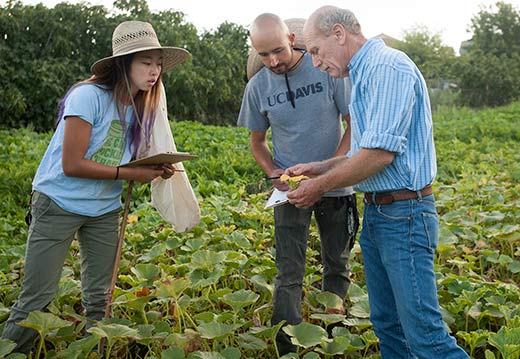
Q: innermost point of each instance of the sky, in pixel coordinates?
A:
(449, 18)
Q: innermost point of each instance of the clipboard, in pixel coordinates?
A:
(160, 158)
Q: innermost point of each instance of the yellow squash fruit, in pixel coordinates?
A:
(293, 181)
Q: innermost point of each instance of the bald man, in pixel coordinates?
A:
(392, 159)
(303, 107)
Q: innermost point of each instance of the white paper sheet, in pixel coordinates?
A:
(277, 198)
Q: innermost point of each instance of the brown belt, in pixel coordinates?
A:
(401, 195)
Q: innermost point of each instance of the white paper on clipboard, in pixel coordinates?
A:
(277, 198)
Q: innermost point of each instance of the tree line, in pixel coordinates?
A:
(43, 51)
(487, 72)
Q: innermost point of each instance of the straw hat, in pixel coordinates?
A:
(254, 64)
(134, 36)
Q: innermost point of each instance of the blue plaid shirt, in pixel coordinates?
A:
(390, 110)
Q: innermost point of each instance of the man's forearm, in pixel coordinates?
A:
(261, 152)
(348, 172)
(264, 159)
(344, 144)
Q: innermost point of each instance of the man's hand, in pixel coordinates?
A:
(279, 185)
(308, 192)
(310, 169)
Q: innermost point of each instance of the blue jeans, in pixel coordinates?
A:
(337, 221)
(398, 242)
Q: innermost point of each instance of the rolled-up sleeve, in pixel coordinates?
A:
(384, 141)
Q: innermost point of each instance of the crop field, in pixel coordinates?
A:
(207, 293)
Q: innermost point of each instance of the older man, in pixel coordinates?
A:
(392, 159)
(302, 106)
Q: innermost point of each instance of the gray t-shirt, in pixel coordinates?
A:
(309, 132)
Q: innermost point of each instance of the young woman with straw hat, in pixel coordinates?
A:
(102, 122)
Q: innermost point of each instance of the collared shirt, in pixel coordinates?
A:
(390, 110)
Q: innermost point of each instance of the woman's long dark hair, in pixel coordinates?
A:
(146, 103)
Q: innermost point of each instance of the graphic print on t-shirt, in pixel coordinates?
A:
(111, 153)
(303, 91)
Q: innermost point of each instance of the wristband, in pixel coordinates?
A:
(117, 173)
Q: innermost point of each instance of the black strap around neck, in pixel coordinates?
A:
(291, 97)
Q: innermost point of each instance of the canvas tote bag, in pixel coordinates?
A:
(173, 198)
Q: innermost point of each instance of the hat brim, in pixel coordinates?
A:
(172, 56)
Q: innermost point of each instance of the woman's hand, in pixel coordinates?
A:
(142, 174)
(168, 170)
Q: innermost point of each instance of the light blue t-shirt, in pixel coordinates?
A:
(309, 131)
(390, 110)
(107, 145)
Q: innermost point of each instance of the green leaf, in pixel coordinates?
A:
(206, 317)
(475, 311)
(231, 353)
(161, 327)
(359, 323)
(146, 272)
(135, 302)
(267, 332)
(369, 337)
(172, 288)
(328, 318)
(6, 346)
(474, 339)
(329, 300)
(206, 355)
(203, 278)
(360, 309)
(311, 355)
(23, 356)
(172, 353)
(336, 347)
(240, 240)
(240, 299)
(251, 342)
(356, 293)
(306, 335)
(216, 330)
(194, 244)
(504, 260)
(155, 252)
(80, 349)
(43, 323)
(113, 331)
(261, 282)
(514, 267)
(446, 237)
(206, 260)
(511, 235)
(145, 330)
(492, 217)
(507, 341)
